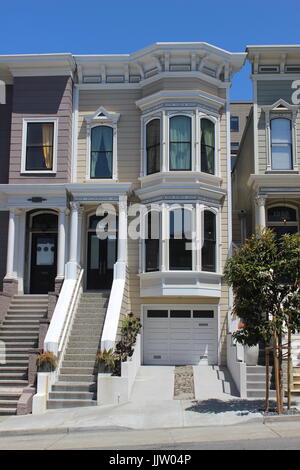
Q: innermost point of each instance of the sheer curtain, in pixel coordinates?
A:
(207, 146)
(180, 143)
(101, 152)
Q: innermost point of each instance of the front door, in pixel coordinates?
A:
(102, 255)
(43, 262)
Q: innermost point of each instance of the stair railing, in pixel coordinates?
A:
(69, 320)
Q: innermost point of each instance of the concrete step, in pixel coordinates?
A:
(84, 344)
(77, 370)
(11, 328)
(8, 368)
(71, 395)
(79, 357)
(8, 411)
(76, 378)
(9, 382)
(80, 363)
(257, 377)
(85, 334)
(260, 393)
(83, 351)
(256, 385)
(74, 387)
(16, 362)
(8, 404)
(20, 322)
(22, 337)
(55, 404)
(257, 370)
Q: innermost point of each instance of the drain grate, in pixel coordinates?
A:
(184, 383)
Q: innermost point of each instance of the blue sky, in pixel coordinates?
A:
(123, 26)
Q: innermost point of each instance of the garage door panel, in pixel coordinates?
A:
(180, 341)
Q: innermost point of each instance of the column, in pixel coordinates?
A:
(61, 243)
(11, 244)
(261, 211)
(71, 272)
(79, 238)
(122, 229)
(164, 237)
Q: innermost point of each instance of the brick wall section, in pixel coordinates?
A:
(42, 97)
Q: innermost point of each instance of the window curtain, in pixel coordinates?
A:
(153, 146)
(101, 152)
(207, 146)
(281, 142)
(47, 135)
(180, 143)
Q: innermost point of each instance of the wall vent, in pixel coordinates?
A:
(292, 68)
(268, 68)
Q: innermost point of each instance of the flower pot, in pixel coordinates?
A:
(251, 355)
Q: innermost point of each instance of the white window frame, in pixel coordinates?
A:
(281, 109)
(26, 121)
(282, 224)
(102, 118)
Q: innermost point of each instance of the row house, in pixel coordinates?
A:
(265, 178)
(87, 139)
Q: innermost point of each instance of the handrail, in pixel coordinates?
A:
(111, 323)
(66, 330)
(60, 315)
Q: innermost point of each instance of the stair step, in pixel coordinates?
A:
(10, 382)
(260, 393)
(74, 387)
(8, 411)
(55, 404)
(8, 403)
(76, 378)
(80, 363)
(71, 395)
(77, 370)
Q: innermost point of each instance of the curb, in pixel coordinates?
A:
(59, 430)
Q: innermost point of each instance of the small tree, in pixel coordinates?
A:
(265, 275)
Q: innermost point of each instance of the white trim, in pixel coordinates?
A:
(75, 113)
(53, 120)
(102, 118)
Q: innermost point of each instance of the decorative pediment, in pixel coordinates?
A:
(102, 116)
(280, 106)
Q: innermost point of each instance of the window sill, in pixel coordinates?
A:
(37, 172)
(180, 283)
(282, 172)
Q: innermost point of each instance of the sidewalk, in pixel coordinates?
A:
(149, 415)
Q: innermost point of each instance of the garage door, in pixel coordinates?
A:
(180, 337)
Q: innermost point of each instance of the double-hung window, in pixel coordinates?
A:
(180, 252)
(101, 152)
(281, 144)
(207, 146)
(39, 146)
(209, 242)
(153, 146)
(180, 143)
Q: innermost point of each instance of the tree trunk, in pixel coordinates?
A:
(277, 374)
(289, 368)
(267, 363)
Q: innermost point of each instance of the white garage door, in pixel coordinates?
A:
(180, 337)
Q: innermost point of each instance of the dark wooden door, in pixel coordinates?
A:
(43, 263)
(102, 255)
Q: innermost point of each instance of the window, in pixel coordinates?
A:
(153, 146)
(39, 146)
(180, 256)
(282, 220)
(209, 242)
(207, 146)
(234, 123)
(281, 144)
(180, 143)
(101, 152)
(152, 238)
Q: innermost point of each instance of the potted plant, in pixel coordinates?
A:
(46, 362)
(105, 361)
